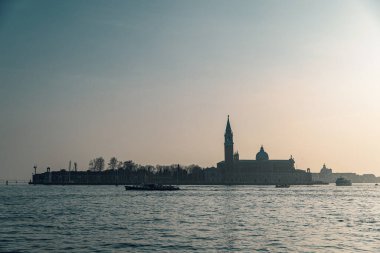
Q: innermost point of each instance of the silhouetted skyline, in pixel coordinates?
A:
(153, 82)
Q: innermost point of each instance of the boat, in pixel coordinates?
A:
(319, 183)
(282, 186)
(341, 181)
(151, 187)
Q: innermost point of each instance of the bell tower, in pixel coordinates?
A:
(228, 146)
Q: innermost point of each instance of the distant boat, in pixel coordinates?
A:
(151, 187)
(343, 182)
(319, 183)
(282, 186)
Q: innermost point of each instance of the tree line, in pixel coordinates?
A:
(98, 164)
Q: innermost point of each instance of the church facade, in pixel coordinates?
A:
(261, 171)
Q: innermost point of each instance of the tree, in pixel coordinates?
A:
(113, 163)
(129, 165)
(91, 165)
(99, 165)
(96, 164)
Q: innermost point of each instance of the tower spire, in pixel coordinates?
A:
(228, 146)
(228, 126)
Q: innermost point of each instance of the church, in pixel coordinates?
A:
(261, 171)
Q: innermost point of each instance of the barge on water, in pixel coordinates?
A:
(282, 186)
(151, 187)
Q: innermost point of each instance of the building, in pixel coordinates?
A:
(233, 170)
(261, 171)
(326, 175)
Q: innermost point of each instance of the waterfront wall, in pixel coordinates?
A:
(207, 176)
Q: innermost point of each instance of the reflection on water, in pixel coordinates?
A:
(206, 218)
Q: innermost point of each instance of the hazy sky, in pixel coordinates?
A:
(154, 81)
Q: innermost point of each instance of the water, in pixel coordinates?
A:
(204, 218)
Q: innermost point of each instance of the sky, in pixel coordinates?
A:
(154, 81)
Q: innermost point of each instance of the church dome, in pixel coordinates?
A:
(262, 155)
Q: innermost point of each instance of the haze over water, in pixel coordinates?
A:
(153, 82)
(205, 218)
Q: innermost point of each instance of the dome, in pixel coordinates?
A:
(262, 155)
(325, 170)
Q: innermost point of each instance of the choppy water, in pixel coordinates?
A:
(203, 218)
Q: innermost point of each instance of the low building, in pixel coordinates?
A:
(326, 175)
